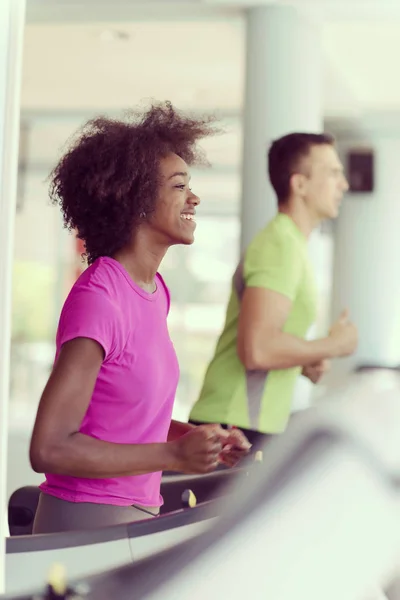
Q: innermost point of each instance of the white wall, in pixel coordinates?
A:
(367, 244)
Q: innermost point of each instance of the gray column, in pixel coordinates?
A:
(12, 16)
(367, 245)
(283, 94)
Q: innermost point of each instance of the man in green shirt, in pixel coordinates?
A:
(262, 348)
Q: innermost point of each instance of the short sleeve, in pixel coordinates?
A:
(275, 264)
(92, 315)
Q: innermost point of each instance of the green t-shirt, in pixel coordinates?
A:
(276, 259)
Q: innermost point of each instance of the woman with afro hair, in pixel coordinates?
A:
(103, 432)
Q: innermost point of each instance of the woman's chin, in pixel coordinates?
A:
(187, 240)
(181, 240)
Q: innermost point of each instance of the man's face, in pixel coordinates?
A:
(324, 184)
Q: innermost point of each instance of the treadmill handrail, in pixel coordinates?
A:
(136, 529)
(148, 574)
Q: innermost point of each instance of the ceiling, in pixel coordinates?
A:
(82, 58)
(199, 64)
(83, 10)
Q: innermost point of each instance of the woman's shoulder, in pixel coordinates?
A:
(97, 286)
(101, 277)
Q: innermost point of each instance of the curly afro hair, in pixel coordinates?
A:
(109, 175)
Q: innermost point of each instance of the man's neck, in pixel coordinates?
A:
(303, 220)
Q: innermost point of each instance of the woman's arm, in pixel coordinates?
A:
(58, 447)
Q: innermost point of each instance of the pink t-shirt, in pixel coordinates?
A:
(135, 389)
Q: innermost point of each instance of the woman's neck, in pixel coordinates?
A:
(141, 259)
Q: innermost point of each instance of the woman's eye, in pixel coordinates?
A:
(181, 186)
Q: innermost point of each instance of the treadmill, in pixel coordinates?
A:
(318, 520)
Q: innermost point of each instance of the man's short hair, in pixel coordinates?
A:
(284, 157)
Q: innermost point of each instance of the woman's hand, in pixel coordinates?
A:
(199, 450)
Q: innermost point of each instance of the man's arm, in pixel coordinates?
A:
(262, 344)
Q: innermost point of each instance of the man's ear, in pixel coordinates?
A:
(297, 184)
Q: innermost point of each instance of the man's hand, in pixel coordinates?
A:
(235, 447)
(315, 372)
(345, 335)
